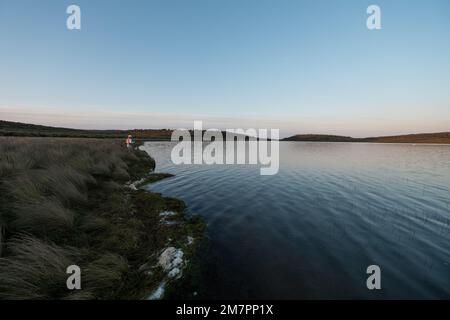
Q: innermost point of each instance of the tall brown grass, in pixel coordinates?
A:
(51, 191)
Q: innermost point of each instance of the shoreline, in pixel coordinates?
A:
(177, 257)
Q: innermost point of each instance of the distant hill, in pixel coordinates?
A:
(440, 137)
(18, 129)
(8, 128)
(319, 137)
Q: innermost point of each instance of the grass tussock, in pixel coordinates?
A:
(35, 269)
(64, 202)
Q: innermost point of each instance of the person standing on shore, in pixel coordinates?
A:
(129, 141)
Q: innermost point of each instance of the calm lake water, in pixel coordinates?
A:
(312, 230)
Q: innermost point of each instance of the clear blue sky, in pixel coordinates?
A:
(301, 66)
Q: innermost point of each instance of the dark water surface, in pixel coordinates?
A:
(332, 210)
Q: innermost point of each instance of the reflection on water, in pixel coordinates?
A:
(332, 210)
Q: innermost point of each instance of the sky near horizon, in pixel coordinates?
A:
(300, 66)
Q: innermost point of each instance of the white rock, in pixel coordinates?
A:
(171, 223)
(175, 272)
(177, 261)
(171, 258)
(133, 185)
(167, 213)
(158, 293)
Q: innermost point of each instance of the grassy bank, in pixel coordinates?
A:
(68, 202)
